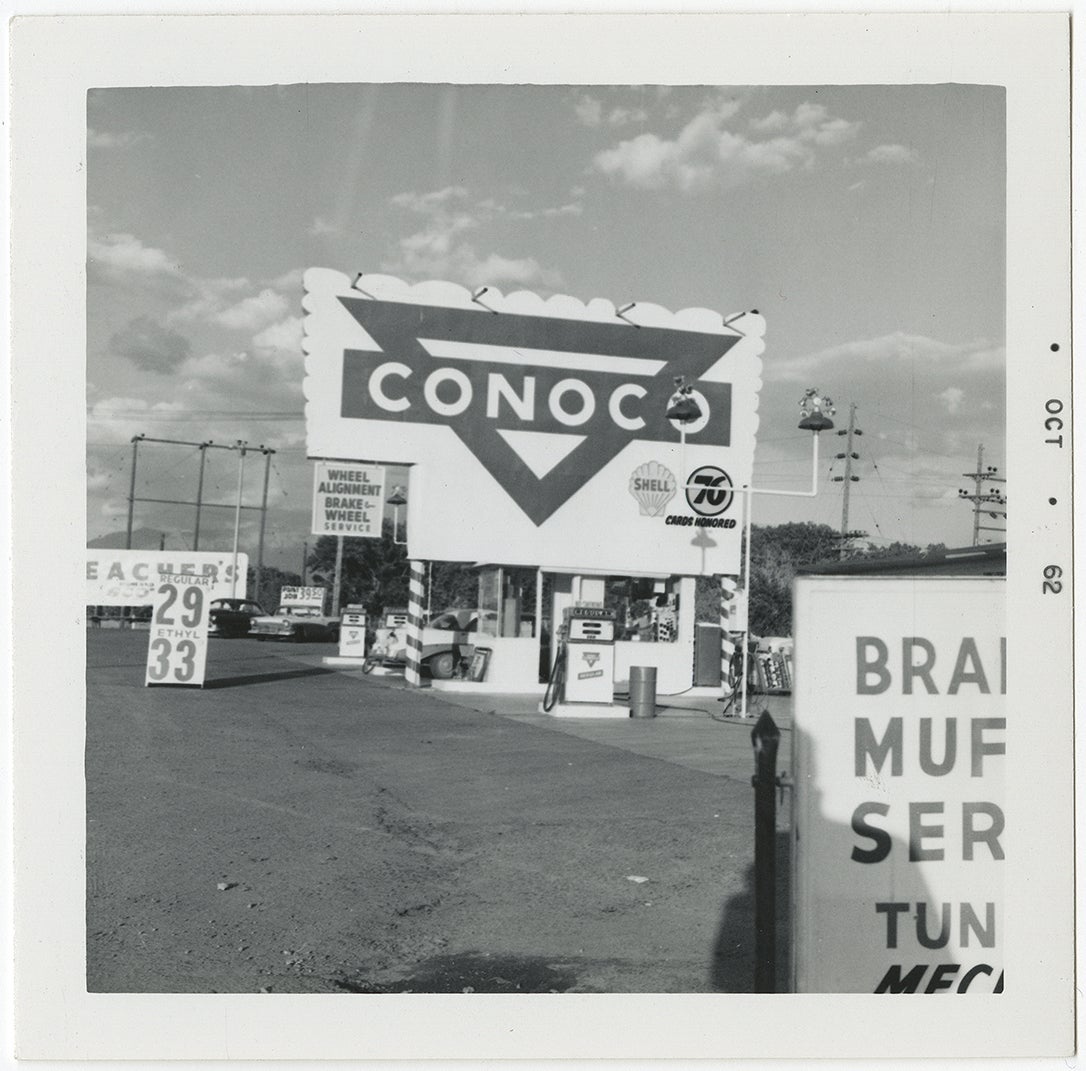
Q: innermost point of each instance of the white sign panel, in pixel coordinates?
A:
(302, 596)
(177, 645)
(898, 754)
(348, 499)
(131, 577)
(537, 428)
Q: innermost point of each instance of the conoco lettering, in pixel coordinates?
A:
(544, 399)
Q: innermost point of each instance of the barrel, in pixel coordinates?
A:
(642, 691)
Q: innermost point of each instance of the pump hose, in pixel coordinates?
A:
(554, 685)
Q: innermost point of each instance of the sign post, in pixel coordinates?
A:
(898, 752)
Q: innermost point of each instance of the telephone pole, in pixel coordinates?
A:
(848, 479)
(984, 501)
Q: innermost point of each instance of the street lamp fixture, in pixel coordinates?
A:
(682, 406)
(815, 411)
(397, 499)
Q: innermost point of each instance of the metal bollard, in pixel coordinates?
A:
(766, 737)
(642, 691)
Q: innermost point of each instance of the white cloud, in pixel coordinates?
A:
(253, 313)
(625, 116)
(439, 249)
(117, 419)
(498, 269)
(891, 154)
(209, 297)
(898, 350)
(320, 228)
(100, 139)
(429, 202)
(284, 335)
(707, 154)
(125, 253)
(289, 280)
(588, 110)
(952, 399)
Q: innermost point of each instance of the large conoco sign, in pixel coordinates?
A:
(537, 428)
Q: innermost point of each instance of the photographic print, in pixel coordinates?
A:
(349, 836)
(548, 538)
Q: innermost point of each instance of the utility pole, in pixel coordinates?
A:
(338, 576)
(240, 446)
(983, 501)
(132, 491)
(848, 479)
(263, 522)
(305, 563)
(200, 495)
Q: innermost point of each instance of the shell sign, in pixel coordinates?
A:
(536, 428)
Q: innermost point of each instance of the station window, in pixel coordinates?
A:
(643, 612)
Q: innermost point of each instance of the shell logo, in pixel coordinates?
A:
(653, 486)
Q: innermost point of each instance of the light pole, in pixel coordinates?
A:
(683, 409)
(815, 412)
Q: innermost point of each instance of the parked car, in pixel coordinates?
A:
(445, 641)
(233, 617)
(299, 623)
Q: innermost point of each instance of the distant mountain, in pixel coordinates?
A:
(142, 539)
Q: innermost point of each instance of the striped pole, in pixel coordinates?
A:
(729, 625)
(416, 600)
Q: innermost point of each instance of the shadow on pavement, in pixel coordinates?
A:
(732, 966)
(267, 678)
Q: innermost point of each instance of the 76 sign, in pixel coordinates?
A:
(709, 491)
(177, 647)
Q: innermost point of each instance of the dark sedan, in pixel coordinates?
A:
(233, 617)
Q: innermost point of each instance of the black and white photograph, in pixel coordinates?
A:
(551, 537)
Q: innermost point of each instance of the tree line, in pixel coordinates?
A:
(375, 573)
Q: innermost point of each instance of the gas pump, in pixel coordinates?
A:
(590, 654)
(352, 632)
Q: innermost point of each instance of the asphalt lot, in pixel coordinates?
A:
(293, 828)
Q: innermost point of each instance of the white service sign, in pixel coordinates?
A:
(536, 428)
(348, 499)
(898, 754)
(131, 577)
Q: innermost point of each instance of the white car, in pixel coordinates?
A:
(298, 623)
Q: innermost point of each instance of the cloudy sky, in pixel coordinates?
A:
(865, 223)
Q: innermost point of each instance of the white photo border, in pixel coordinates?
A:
(55, 61)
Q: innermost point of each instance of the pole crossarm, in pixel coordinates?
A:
(183, 502)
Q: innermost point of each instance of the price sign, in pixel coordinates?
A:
(177, 647)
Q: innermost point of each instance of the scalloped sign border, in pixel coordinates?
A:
(534, 410)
